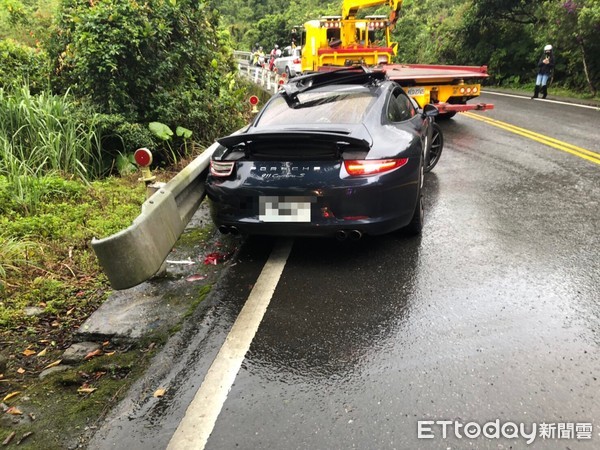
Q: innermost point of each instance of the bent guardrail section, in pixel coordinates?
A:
(137, 253)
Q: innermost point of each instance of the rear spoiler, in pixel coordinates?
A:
(294, 137)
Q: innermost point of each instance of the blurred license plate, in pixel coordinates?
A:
(416, 91)
(284, 209)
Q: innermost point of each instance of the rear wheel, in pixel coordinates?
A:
(416, 224)
(437, 145)
(287, 72)
(446, 115)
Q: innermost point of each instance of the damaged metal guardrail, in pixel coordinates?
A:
(137, 253)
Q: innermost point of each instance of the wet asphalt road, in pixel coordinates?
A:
(493, 313)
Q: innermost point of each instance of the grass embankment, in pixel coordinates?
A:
(51, 205)
(50, 208)
(51, 283)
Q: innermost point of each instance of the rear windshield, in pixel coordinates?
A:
(339, 107)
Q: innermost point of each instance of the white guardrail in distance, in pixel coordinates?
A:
(137, 253)
(268, 79)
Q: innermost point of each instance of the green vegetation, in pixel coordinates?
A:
(80, 84)
(27, 21)
(506, 35)
(125, 64)
(46, 258)
(41, 135)
(80, 395)
(22, 64)
(85, 83)
(153, 61)
(50, 283)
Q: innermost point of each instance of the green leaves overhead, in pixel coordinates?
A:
(150, 61)
(270, 22)
(506, 35)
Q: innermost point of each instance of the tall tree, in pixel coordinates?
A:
(573, 28)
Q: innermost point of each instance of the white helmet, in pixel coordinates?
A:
(548, 48)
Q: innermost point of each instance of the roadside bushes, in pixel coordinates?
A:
(110, 68)
(22, 64)
(147, 61)
(506, 35)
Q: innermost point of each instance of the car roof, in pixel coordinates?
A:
(349, 75)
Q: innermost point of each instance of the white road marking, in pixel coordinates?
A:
(541, 99)
(202, 413)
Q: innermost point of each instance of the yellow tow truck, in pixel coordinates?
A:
(343, 41)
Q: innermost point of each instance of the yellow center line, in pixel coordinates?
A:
(546, 140)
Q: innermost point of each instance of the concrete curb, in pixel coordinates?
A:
(156, 306)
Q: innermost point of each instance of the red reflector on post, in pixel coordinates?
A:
(143, 157)
(362, 167)
(254, 100)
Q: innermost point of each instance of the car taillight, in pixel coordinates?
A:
(297, 61)
(221, 168)
(361, 167)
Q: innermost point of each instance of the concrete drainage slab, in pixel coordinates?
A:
(158, 305)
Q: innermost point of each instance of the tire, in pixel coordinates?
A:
(437, 145)
(446, 115)
(287, 72)
(415, 226)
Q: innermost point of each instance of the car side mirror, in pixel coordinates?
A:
(430, 111)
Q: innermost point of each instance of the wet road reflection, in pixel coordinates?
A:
(338, 323)
(492, 314)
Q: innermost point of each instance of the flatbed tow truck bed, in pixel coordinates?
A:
(437, 84)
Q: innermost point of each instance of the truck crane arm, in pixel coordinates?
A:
(351, 7)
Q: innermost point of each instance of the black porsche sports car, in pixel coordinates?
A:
(338, 153)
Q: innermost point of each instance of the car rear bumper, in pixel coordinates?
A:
(331, 229)
(371, 205)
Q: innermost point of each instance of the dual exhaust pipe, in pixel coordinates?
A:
(353, 235)
(340, 235)
(226, 229)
